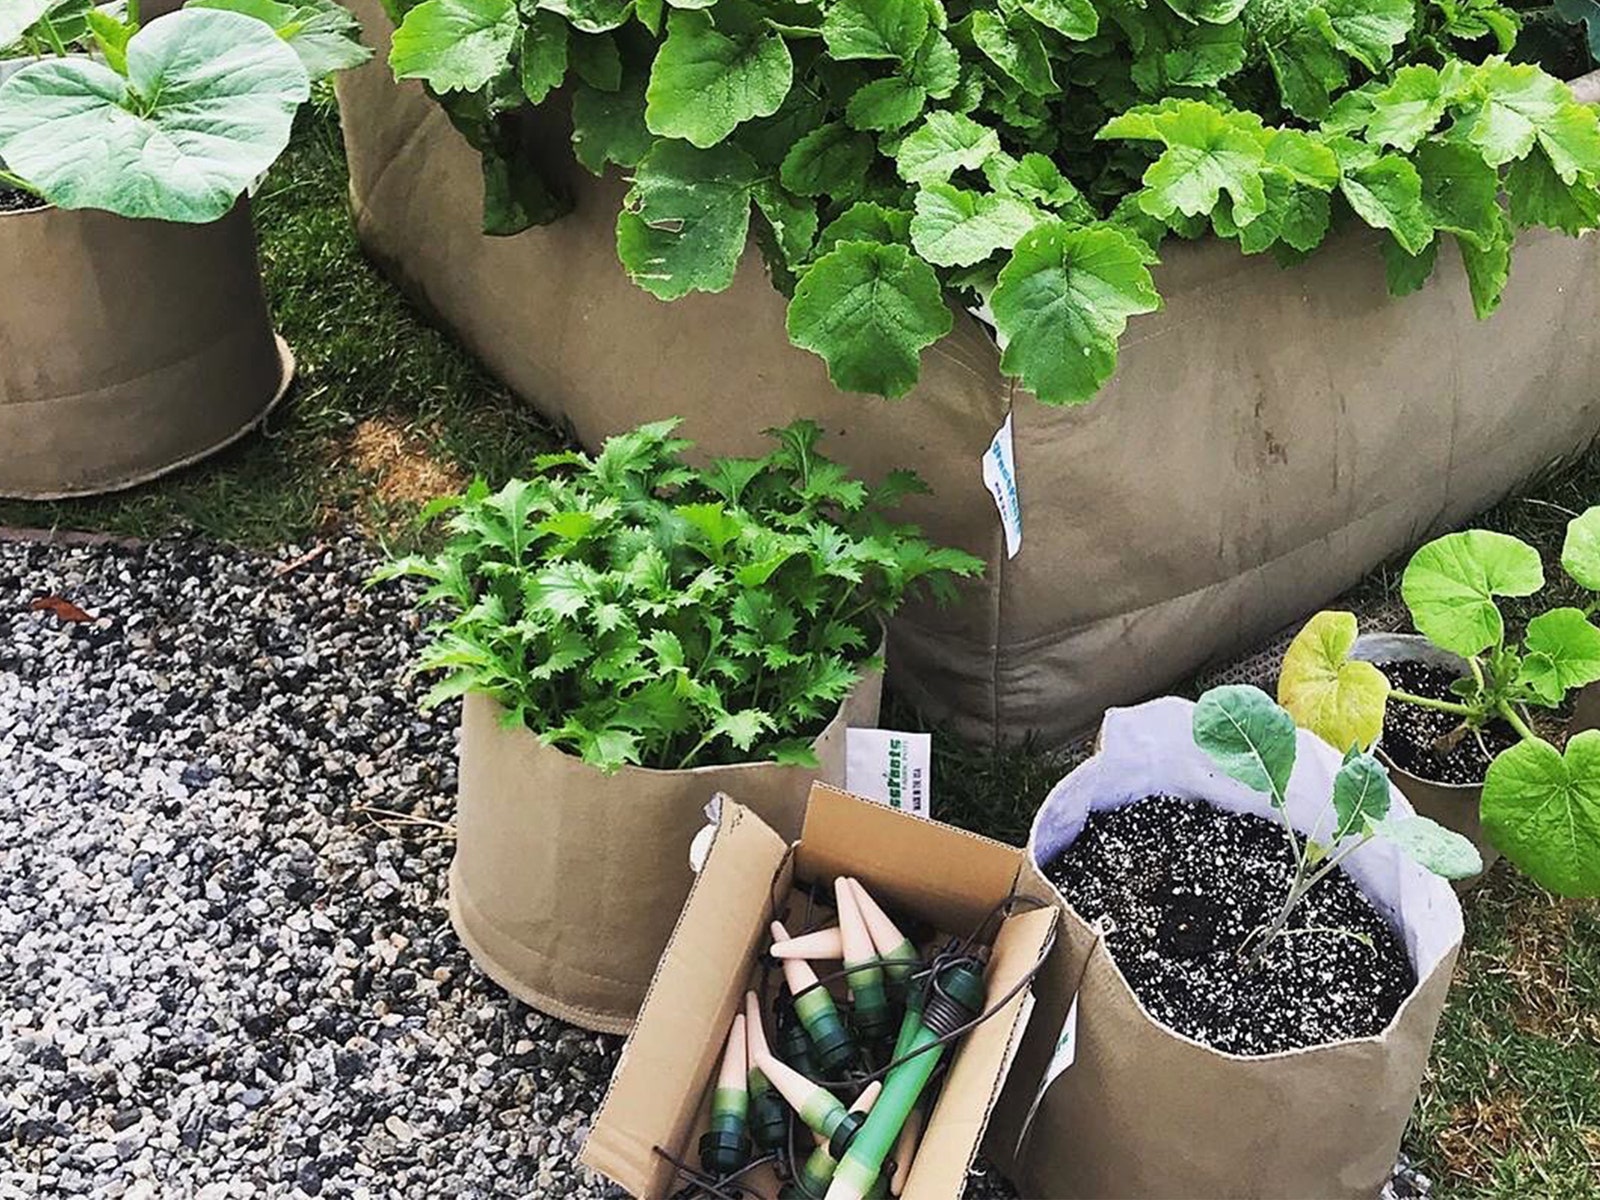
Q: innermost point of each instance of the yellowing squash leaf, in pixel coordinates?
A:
(1336, 697)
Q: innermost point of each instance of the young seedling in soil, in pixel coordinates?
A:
(1253, 740)
(1540, 806)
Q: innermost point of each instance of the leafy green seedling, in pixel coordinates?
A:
(633, 609)
(172, 121)
(1253, 740)
(1540, 807)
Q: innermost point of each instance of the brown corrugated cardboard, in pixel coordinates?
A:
(127, 348)
(1268, 437)
(946, 877)
(566, 881)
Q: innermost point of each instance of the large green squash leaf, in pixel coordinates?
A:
(1063, 301)
(956, 228)
(1541, 808)
(207, 106)
(875, 29)
(869, 310)
(455, 45)
(1450, 584)
(1580, 549)
(322, 32)
(705, 83)
(684, 223)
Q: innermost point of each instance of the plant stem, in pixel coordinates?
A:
(1516, 722)
(133, 13)
(1449, 706)
(7, 179)
(52, 36)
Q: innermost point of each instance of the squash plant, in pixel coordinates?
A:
(1540, 805)
(633, 609)
(1026, 156)
(171, 121)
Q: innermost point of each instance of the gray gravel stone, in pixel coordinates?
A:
(227, 975)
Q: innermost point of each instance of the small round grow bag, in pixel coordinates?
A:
(1453, 805)
(127, 348)
(1143, 1111)
(567, 882)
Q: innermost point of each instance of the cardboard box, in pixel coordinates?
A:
(950, 879)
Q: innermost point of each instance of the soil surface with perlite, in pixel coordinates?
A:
(1411, 733)
(1181, 885)
(14, 200)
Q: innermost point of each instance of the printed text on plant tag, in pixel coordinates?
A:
(890, 767)
(1000, 477)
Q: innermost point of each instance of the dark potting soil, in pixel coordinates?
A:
(1182, 885)
(1410, 731)
(11, 200)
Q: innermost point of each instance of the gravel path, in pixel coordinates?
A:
(225, 972)
(224, 976)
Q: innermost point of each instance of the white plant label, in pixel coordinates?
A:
(891, 767)
(1000, 477)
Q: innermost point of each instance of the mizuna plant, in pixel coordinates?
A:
(1540, 805)
(632, 609)
(1252, 740)
(172, 121)
(1027, 156)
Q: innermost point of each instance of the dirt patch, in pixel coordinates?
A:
(1480, 1133)
(1537, 967)
(401, 464)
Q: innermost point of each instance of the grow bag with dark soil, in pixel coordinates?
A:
(1146, 1109)
(1268, 437)
(1446, 788)
(567, 882)
(127, 348)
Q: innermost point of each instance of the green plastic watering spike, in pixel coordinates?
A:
(955, 996)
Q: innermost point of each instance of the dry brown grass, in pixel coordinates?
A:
(1538, 968)
(1481, 1132)
(402, 468)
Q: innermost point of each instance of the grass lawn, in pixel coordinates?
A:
(388, 412)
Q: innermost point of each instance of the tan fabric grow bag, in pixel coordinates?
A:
(1268, 437)
(127, 348)
(567, 882)
(1145, 1112)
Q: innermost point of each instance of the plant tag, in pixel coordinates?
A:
(890, 767)
(1065, 1055)
(1000, 477)
(700, 847)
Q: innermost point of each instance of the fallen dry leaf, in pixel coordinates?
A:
(64, 610)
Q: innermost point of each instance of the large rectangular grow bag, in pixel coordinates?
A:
(1268, 437)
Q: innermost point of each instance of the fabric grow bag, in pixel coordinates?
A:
(1269, 436)
(128, 348)
(1144, 1111)
(567, 882)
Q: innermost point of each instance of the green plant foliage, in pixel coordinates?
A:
(1540, 809)
(1015, 135)
(632, 609)
(322, 32)
(204, 106)
(1252, 740)
(171, 122)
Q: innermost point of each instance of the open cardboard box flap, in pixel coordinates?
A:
(947, 877)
